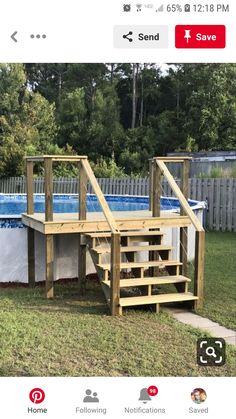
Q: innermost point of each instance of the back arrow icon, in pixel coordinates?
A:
(13, 36)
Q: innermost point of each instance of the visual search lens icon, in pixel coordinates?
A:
(37, 395)
(211, 352)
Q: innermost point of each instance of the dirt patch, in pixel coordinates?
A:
(62, 281)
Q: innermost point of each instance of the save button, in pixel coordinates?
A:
(200, 36)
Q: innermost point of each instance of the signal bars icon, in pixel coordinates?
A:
(160, 9)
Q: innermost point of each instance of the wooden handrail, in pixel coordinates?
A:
(174, 159)
(55, 158)
(101, 199)
(183, 201)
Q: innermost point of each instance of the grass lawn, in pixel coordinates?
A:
(220, 279)
(74, 336)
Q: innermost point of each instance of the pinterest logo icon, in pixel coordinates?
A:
(37, 395)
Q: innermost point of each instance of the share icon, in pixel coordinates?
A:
(126, 36)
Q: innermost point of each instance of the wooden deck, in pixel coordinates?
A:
(120, 231)
(95, 222)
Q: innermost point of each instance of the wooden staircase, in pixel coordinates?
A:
(141, 281)
(134, 264)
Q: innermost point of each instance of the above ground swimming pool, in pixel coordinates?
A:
(15, 205)
(13, 234)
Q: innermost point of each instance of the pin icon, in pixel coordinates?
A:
(37, 395)
(187, 35)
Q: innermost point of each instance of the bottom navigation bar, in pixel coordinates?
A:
(173, 398)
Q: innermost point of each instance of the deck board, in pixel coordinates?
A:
(126, 220)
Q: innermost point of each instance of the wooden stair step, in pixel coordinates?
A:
(136, 282)
(107, 249)
(156, 299)
(149, 264)
(126, 234)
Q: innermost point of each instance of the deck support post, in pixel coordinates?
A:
(31, 256)
(30, 231)
(82, 216)
(183, 249)
(115, 274)
(49, 249)
(49, 259)
(199, 268)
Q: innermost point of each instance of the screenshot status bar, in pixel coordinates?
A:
(119, 31)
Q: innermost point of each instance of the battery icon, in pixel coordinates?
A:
(187, 8)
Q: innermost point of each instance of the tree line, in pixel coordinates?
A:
(119, 115)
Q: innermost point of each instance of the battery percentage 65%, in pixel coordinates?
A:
(173, 8)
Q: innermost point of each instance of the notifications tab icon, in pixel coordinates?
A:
(200, 36)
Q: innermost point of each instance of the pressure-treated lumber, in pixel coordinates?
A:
(152, 263)
(81, 264)
(82, 192)
(31, 257)
(156, 191)
(199, 267)
(115, 273)
(127, 234)
(126, 249)
(137, 282)
(101, 199)
(183, 202)
(55, 158)
(49, 259)
(82, 216)
(30, 187)
(153, 299)
(184, 230)
(64, 226)
(175, 159)
(151, 165)
(48, 187)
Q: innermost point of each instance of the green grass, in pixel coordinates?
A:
(220, 279)
(74, 336)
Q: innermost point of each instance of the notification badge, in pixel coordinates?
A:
(200, 36)
(152, 391)
(37, 396)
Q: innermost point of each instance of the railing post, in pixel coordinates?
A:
(30, 186)
(199, 268)
(151, 164)
(183, 250)
(82, 216)
(48, 188)
(115, 274)
(156, 191)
